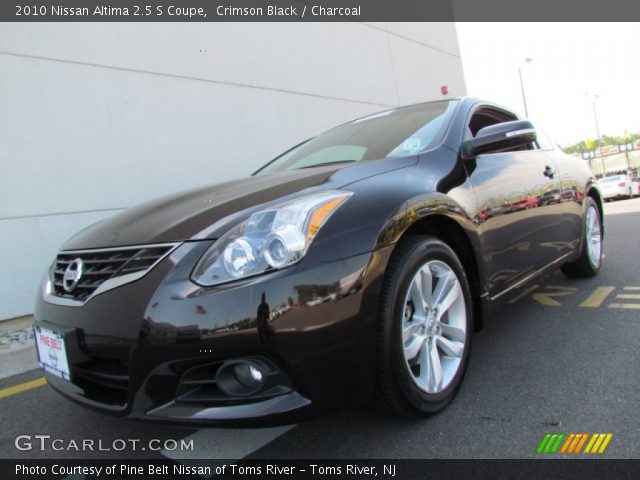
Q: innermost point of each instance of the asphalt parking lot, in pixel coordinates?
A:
(563, 358)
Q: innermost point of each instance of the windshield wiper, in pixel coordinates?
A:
(326, 164)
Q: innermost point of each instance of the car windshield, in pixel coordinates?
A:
(394, 133)
(610, 179)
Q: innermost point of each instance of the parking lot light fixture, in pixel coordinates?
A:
(524, 98)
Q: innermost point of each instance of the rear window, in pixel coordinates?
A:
(610, 179)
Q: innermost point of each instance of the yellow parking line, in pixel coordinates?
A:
(524, 293)
(23, 387)
(629, 296)
(597, 297)
(546, 297)
(625, 305)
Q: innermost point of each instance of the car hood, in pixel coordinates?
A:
(190, 214)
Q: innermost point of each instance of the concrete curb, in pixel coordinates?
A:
(18, 360)
(17, 347)
(15, 323)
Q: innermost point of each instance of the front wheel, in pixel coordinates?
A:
(425, 324)
(590, 260)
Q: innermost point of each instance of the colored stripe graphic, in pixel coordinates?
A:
(572, 443)
(543, 443)
(581, 443)
(596, 445)
(556, 445)
(567, 442)
(551, 442)
(607, 439)
(594, 437)
(579, 437)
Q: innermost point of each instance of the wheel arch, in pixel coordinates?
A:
(595, 194)
(457, 233)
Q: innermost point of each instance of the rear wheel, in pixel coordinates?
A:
(590, 260)
(425, 325)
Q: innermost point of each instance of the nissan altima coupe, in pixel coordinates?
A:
(353, 267)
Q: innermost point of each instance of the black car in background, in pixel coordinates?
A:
(354, 266)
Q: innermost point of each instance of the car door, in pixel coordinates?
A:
(573, 177)
(520, 207)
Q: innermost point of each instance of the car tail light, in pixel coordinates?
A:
(621, 184)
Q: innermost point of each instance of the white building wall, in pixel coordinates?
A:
(97, 117)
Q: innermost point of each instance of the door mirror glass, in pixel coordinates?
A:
(500, 137)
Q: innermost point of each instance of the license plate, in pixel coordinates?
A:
(52, 353)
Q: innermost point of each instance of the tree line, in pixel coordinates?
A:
(587, 145)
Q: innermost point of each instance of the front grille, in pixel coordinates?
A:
(102, 265)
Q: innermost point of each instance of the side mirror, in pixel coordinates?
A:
(499, 137)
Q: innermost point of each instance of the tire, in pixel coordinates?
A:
(414, 390)
(590, 260)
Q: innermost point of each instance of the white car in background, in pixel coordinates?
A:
(616, 186)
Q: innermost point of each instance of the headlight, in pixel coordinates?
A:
(269, 239)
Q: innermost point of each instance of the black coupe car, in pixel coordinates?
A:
(355, 266)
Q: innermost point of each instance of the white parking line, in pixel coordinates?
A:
(219, 443)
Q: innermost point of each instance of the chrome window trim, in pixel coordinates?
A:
(49, 296)
(522, 131)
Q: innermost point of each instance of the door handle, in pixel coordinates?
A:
(549, 172)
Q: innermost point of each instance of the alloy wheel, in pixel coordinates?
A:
(434, 326)
(593, 234)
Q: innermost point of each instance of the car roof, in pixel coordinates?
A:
(466, 99)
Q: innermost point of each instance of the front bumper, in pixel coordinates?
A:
(129, 348)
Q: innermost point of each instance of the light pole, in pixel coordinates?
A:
(595, 118)
(524, 98)
(626, 149)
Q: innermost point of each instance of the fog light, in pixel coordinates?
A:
(242, 378)
(248, 374)
(255, 373)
